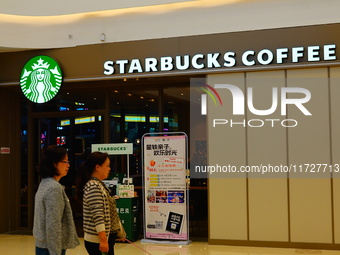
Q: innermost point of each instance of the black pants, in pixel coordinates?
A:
(93, 248)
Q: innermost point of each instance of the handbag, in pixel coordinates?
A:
(121, 234)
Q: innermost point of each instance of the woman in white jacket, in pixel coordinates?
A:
(54, 230)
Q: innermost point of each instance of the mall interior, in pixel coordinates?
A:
(128, 70)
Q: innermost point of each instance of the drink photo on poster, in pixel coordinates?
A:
(176, 196)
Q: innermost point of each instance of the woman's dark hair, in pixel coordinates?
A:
(85, 172)
(51, 156)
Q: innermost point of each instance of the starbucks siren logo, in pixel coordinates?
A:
(40, 79)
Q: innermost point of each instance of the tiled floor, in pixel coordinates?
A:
(24, 245)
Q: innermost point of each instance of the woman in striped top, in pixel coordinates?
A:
(101, 220)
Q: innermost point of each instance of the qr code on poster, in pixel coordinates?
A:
(159, 224)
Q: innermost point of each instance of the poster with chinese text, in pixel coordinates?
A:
(165, 197)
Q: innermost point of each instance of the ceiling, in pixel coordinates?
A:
(6, 49)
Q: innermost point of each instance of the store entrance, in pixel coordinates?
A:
(76, 134)
(116, 111)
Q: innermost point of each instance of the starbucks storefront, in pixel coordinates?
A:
(75, 114)
(114, 112)
(117, 92)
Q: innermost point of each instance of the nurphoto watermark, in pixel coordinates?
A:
(261, 128)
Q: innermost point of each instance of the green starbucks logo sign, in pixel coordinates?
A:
(40, 79)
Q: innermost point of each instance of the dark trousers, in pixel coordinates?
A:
(93, 248)
(42, 251)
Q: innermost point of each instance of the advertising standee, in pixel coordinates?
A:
(165, 196)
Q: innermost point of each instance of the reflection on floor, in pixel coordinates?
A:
(24, 245)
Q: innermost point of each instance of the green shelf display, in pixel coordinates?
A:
(128, 213)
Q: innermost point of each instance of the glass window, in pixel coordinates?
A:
(134, 112)
(177, 109)
(74, 100)
(24, 166)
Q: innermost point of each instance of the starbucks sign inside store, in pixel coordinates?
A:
(41, 79)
